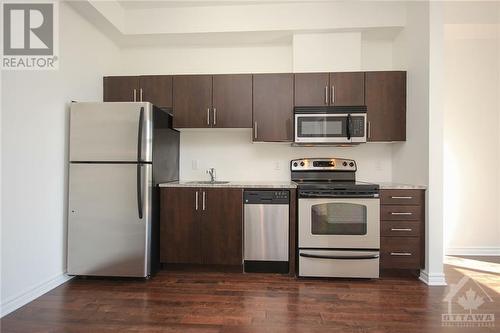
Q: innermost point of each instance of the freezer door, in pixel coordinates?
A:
(111, 132)
(109, 219)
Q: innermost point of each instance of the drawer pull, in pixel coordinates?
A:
(401, 213)
(401, 229)
(404, 254)
(407, 198)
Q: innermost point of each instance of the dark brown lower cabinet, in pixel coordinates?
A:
(402, 229)
(221, 226)
(180, 232)
(201, 226)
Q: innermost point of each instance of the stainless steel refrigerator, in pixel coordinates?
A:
(119, 152)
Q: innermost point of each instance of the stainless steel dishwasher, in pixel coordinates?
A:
(266, 230)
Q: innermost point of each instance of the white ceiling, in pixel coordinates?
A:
(178, 23)
(133, 4)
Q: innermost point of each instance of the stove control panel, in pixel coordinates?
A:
(320, 164)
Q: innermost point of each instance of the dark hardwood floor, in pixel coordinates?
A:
(232, 302)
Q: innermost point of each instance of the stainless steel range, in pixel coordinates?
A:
(339, 219)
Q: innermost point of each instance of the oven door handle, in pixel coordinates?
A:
(338, 196)
(319, 256)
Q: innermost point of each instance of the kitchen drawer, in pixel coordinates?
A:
(400, 213)
(401, 197)
(400, 228)
(400, 252)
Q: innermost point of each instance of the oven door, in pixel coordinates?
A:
(339, 223)
(330, 128)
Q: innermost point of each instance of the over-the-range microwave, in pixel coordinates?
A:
(330, 125)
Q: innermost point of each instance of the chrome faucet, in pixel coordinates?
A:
(212, 174)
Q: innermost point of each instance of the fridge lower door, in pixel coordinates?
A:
(106, 234)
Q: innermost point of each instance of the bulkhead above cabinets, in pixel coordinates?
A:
(265, 102)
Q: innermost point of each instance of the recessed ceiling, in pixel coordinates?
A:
(133, 4)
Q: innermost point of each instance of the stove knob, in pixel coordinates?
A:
(344, 164)
(302, 164)
(351, 164)
(295, 164)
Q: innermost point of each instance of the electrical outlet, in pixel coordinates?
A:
(194, 164)
(277, 165)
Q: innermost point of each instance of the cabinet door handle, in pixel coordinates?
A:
(401, 213)
(332, 97)
(204, 200)
(140, 94)
(135, 95)
(196, 201)
(255, 130)
(401, 229)
(369, 130)
(401, 254)
(407, 198)
(326, 95)
(215, 116)
(208, 116)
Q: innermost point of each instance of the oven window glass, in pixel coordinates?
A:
(321, 126)
(338, 219)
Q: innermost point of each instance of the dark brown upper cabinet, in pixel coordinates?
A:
(347, 88)
(330, 89)
(156, 89)
(192, 101)
(273, 107)
(223, 101)
(120, 88)
(311, 89)
(232, 101)
(386, 104)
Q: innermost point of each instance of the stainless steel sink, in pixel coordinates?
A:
(208, 182)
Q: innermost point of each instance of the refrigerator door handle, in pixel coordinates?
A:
(139, 135)
(139, 190)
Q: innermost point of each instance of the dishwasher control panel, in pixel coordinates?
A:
(267, 197)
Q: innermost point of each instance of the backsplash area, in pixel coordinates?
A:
(234, 156)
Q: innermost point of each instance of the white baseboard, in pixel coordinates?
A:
(24, 298)
(473, 251)
(432, 279)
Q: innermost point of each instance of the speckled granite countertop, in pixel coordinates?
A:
(237, 184)
(398, 186)
(271, 184)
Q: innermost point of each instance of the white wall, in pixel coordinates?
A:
(411, 53)
(326, 52)
(236, 158)
(205, 60)
(418, 160)
(34, 156)
(472, 129)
